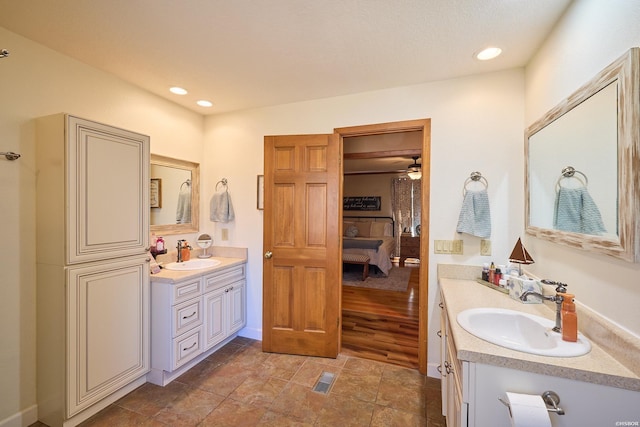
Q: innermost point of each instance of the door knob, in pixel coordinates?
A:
(268, 254)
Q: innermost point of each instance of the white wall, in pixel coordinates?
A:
(476, 124)
(35, 81)
(590, 36)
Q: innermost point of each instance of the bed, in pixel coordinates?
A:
(371, 236)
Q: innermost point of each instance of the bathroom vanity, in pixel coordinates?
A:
(594, 389)
(194, 313)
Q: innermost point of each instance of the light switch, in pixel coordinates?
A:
(225, 234)
(448, 247)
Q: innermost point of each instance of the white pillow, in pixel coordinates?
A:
(377, 229)
(364, 228)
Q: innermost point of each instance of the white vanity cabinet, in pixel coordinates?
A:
(471, 391)
(454, 372)
(92, 270)
(192, 318)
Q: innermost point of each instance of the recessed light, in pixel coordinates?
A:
(178, 90)
(488, 53)
(204, 103)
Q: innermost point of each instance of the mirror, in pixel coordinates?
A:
(579, 161)
(175, 196)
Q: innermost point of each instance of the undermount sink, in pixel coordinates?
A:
(192, 264)
(520, 331)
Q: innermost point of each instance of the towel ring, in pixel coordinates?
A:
(223, 181)
(475, 177)
(570, 172)
(187, 183)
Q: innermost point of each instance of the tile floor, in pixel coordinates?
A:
(239, 385)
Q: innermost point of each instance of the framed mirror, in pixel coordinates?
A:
(175, 203)
(580, 158)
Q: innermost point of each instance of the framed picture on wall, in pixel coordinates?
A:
(155, 193)
(261, 192)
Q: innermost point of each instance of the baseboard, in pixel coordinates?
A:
(254, 334)
(23, 418)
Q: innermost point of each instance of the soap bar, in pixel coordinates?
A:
(517, 286)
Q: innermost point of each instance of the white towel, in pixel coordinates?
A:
(475, 217)
(576, 211)
(183, 211)
(222, 208)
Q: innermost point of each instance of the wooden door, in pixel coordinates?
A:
(302, 263)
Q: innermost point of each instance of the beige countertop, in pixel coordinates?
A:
(597, 366)
(227, 255)
(173, 276)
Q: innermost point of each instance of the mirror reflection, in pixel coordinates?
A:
(174, 195)
(580, 163)
(584, 198)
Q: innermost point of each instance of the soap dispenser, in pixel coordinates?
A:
(185, 251)
(569, 318)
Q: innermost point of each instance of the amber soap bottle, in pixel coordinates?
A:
(569, 318)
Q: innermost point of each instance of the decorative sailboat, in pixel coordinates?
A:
(520, 256)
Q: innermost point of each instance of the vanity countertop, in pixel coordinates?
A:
(173, 276)
(597, 366)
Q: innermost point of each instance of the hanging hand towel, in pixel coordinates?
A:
(183, 212)
(222, 208)
(576, 211)
(475, 217)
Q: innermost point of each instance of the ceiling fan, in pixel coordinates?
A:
(414, 170)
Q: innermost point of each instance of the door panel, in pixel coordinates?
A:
(301, 229)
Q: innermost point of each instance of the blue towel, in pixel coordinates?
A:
(475, 216)
(576, 211)
(222, 208)
(183, 211)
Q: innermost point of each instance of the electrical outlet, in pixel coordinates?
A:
(225, 234)
(485, 247)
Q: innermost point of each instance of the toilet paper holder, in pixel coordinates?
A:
(550, 398)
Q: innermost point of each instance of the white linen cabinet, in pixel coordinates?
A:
(92, 269)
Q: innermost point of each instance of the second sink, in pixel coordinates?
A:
(192, 264)
(520, 331)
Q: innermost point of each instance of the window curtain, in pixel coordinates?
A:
(406, 206)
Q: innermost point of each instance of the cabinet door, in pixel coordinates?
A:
(107, 324)
(215, 313)
(237, 306)
(108, 191)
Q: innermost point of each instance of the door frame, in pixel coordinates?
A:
(423, 125)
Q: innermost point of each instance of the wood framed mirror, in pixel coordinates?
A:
(581, 163)
(180, 194)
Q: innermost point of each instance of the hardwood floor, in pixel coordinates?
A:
(382, 325)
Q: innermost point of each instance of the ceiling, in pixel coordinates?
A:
(242, 54)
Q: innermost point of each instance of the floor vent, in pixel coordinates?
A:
(324, 382)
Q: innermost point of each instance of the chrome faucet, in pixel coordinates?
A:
(179, 250)
(561, 288)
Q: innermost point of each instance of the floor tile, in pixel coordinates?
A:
(240, 385)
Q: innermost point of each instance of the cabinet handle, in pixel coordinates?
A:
(190, 347)
(231, 288)
(441, 305)
(439, 333)
(226, 290)
(191, 315)
(439, 368)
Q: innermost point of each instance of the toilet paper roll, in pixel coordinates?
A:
(527, 410)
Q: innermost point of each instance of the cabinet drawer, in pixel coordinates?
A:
(411, 252)
(224, 278)
(186, 316)
(185, 291)
(186, 347)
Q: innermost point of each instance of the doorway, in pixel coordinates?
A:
(424, 128)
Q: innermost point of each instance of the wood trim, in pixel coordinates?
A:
(423, 125)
